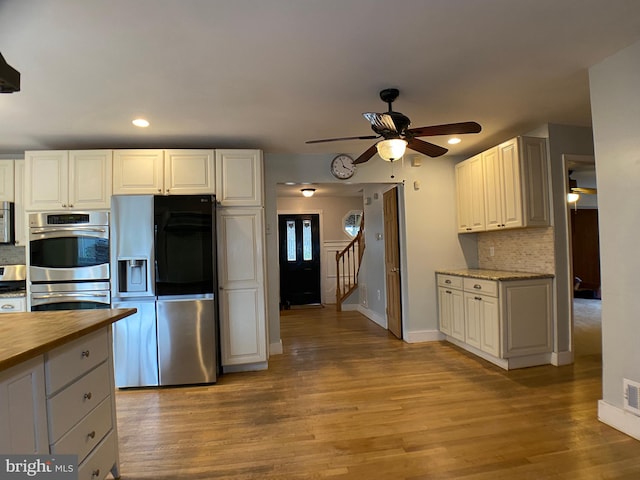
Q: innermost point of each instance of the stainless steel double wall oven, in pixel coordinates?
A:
(69, 260)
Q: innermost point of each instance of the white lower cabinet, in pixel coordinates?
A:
(507, 322)
(241, 281)
(80, 404)
(23, 412)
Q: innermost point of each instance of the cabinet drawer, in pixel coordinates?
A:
(70, 361)
(74, 402)
(13, 304)
(487, 287)
(98, 465)
(83, 438)
(451, 281)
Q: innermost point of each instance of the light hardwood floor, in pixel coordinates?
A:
(347, 400)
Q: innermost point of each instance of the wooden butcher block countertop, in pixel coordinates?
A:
(26, 335)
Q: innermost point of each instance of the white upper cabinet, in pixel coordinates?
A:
(514, 177)
(470, 195)
(7, 181)
(163, 172)
(239, 178)
(20, 215)
(59, 180)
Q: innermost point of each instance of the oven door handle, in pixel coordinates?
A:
(71, 294)
(69, 230)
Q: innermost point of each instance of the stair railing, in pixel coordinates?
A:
(348, 266)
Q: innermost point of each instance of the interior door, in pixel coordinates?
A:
(392, 262)
(299, 239)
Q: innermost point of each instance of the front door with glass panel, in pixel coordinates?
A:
(299, 259)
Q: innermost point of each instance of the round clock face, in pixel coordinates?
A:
(342, 167)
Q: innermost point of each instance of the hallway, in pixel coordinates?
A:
(346, 400)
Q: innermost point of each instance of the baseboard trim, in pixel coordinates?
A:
(349, 307)
(373, 316)
(561, 358)
(249, 367)
(423, 336)
(276, 348)
(619, 419)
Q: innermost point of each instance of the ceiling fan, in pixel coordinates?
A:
(394, 128)
(573, 187)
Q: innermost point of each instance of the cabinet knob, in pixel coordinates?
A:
(91, 434)
(95, 473)
(85, 353)
(159, 190)
(87, 396)
(70, 206)
(477, 298)
(64, 205)
(447, 291)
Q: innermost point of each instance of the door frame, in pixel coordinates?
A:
(311, 211)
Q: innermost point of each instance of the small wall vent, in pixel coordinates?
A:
(631, 396)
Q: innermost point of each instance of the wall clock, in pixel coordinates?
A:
(342, 167)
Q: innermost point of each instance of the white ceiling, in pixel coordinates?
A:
(271, 74)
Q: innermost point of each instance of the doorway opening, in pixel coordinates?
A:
(299, 238)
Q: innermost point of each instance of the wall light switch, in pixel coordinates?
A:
(492, 251)
(417, 185)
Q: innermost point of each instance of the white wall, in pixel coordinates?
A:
(428, 228)
(615, 103)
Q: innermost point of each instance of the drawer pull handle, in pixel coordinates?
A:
(85, 353)
(447, 281)
(477, 287)
(447, 291)
(95, 473)
(8, 306)
(477, 298)
(87, 396)
(92, 434)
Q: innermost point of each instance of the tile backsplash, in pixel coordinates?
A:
(518, 250)
(11, 255)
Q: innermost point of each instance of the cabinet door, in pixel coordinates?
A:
(445, 310)
(457, 315)
(189, 172)
(490, 325)
(23, 415)
(241, 282)
(492, 189)
(20, 218)
(138, 172)
(13, 305)
(470, 195)
(46, 180)
(473, 319)
(7, 181)
(535, 183)
(510, 180)
(239, 178)
(90, 179)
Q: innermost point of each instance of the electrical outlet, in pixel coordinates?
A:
(492, 251)
(379, 295)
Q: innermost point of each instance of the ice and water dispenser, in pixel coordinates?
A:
(132, 275)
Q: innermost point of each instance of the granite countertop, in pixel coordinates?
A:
(27, 335)
(494, 274)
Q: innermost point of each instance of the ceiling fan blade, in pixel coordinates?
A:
(425, 147)
(364, 137)
(588, 191)
(381, 121)
(371, 151)
(446, 129)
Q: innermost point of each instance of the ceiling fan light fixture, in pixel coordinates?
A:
(572, 197)
(454, 141)
(391, 149)
(308, 192)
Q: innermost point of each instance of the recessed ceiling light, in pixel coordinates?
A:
(140, 122)
(453, 141)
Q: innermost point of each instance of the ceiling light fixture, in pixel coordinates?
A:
(140, 122)
(572, 197)
(453, 141)
(308, 192)
(391, 149)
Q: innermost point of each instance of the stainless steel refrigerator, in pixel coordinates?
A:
(163, 264)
